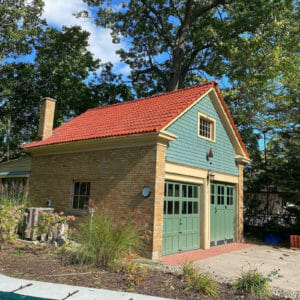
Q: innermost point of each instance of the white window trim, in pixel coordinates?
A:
(212, 121)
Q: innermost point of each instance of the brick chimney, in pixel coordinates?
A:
(46, 118)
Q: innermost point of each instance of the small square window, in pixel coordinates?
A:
(206, 128)
(81, 194)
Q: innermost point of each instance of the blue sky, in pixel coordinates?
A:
(59, 13)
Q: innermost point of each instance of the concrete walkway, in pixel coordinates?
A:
(56, 291)
(266, 258)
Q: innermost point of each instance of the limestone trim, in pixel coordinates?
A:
(205, 215)
(162, 137)
(180, 172)
(242, 160)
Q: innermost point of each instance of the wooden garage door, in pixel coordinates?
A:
(181, 223)
(221, 214)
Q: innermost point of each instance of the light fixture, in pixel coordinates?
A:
(209, 154)
(146, 191)
(210, 175)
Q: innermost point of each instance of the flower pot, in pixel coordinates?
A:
(295, 241)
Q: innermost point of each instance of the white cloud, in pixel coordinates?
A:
(60, 12)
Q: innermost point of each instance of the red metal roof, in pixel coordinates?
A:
(145, 115)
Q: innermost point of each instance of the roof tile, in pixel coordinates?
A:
(144, 115)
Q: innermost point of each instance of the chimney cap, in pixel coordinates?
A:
(48, 98)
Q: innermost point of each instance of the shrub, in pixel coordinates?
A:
(13, 194)
(103, 240)
(135, 274)
(10, 217)
(254, 283)
(200, 282)
(51, 226)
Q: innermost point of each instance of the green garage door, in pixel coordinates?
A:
(181, 223)
(221, 214)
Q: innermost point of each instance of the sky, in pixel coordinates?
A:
(59, 13)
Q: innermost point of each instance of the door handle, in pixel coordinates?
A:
(216, 210)
(180, 232)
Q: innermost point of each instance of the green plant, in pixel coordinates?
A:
(197, 281)
(50, 225)
(103, 240)
(18, 253)
(13, 194)
(10, 217)
(134, 272)
(254, 283)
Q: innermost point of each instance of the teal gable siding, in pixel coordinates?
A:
(191, 150)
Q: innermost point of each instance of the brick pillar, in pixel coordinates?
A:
(240, 206)
(46, 118)
(158, 201)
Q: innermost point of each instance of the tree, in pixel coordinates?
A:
(63, 69)
(20, 24)
(172, 41)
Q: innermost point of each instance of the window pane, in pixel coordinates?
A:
(176, 190)
(170, 190)
(190, 207)
(170, 207)
(184, 207)
(195, 192)
(184, 191)
(76, 188)
(212, 199)
(176, 207)
(195, 207)
(81, 202)
(83, 188)
(190, 191)
(88, 188)
(165, 191)
(212, 189)
(75, 202)
(165, 207)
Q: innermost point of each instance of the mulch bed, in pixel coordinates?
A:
(36, 262)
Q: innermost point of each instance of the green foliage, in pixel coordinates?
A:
(62, 66)
(10, 218)
(254, 283)
(199, 281)
(13, 194)
(20, 23)
(50, 225)
(172, 43)
(103, 241)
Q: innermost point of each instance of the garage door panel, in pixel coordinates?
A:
(181, 217)
(221, 213)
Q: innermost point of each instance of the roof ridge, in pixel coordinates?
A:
(214, 82)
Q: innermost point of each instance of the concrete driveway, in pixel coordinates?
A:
(265, 258)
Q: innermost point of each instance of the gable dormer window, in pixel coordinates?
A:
(206, 127)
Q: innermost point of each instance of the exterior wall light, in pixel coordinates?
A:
(146, 191)
(209, 154)
(210, 175)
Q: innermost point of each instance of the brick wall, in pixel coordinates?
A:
(117, 177)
